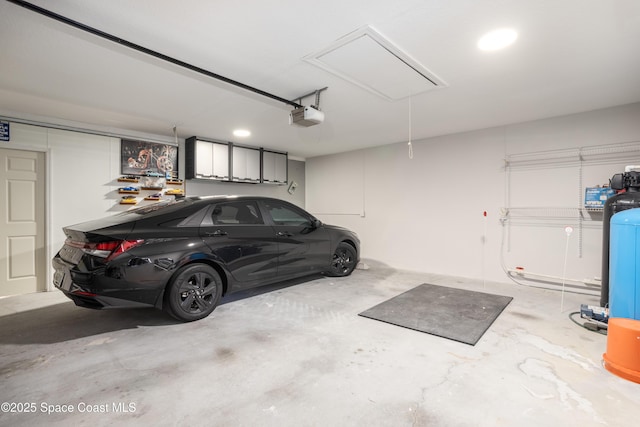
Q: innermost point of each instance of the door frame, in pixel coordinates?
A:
(48, 275)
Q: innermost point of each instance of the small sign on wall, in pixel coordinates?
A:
(4, 131)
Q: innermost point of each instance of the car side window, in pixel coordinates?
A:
(285, 215)
(236, 213)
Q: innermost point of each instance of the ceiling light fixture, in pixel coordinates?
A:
(241, 133)
(497, 39)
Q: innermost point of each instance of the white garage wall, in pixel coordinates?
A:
(426, 213)
(82, 172)
(80, 175)
(422, 214)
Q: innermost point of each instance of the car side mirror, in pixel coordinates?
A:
(316, 223)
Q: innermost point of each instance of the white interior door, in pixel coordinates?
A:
(22, 231)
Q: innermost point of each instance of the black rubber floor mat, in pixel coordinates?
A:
(456, 314)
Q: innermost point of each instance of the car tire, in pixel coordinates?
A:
(343, 260)
(193, 292)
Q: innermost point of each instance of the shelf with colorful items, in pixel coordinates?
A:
(174, 185)
(153, 186)
(129, 190)
(151, 196)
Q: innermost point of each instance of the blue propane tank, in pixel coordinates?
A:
(624, 271)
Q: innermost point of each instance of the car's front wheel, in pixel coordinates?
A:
(193, 293)
(343, 261)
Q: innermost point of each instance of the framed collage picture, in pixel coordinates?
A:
(148, 158)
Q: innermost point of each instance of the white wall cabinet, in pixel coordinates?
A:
(246, 164)
(274, 167)
(207, 159)
(224, 161)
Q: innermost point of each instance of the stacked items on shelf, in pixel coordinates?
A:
(172, 179)
(174, 192)
(151, 181)
(128, 178)
(154, 197)
(129, 199)
(129, 190)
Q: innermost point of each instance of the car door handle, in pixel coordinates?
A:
(216, 233)
(284, 234)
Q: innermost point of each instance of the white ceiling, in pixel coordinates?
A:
(570, 56)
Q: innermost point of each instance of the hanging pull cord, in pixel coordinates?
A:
(409, 143)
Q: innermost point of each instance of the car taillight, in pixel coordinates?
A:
(124, 246)
(108, 250)
(84, 294)
(102, 250)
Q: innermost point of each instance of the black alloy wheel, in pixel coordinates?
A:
(193, 293)
(343, 261)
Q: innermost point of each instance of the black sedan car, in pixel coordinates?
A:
(184, 255)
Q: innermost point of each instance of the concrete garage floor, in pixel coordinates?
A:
(301, 356)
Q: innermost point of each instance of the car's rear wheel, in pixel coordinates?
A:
(193, 293)
(343, 261)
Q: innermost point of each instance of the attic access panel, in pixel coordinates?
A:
(371, 61)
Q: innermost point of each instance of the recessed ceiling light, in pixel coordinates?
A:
(497, 39)
(241, 133)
